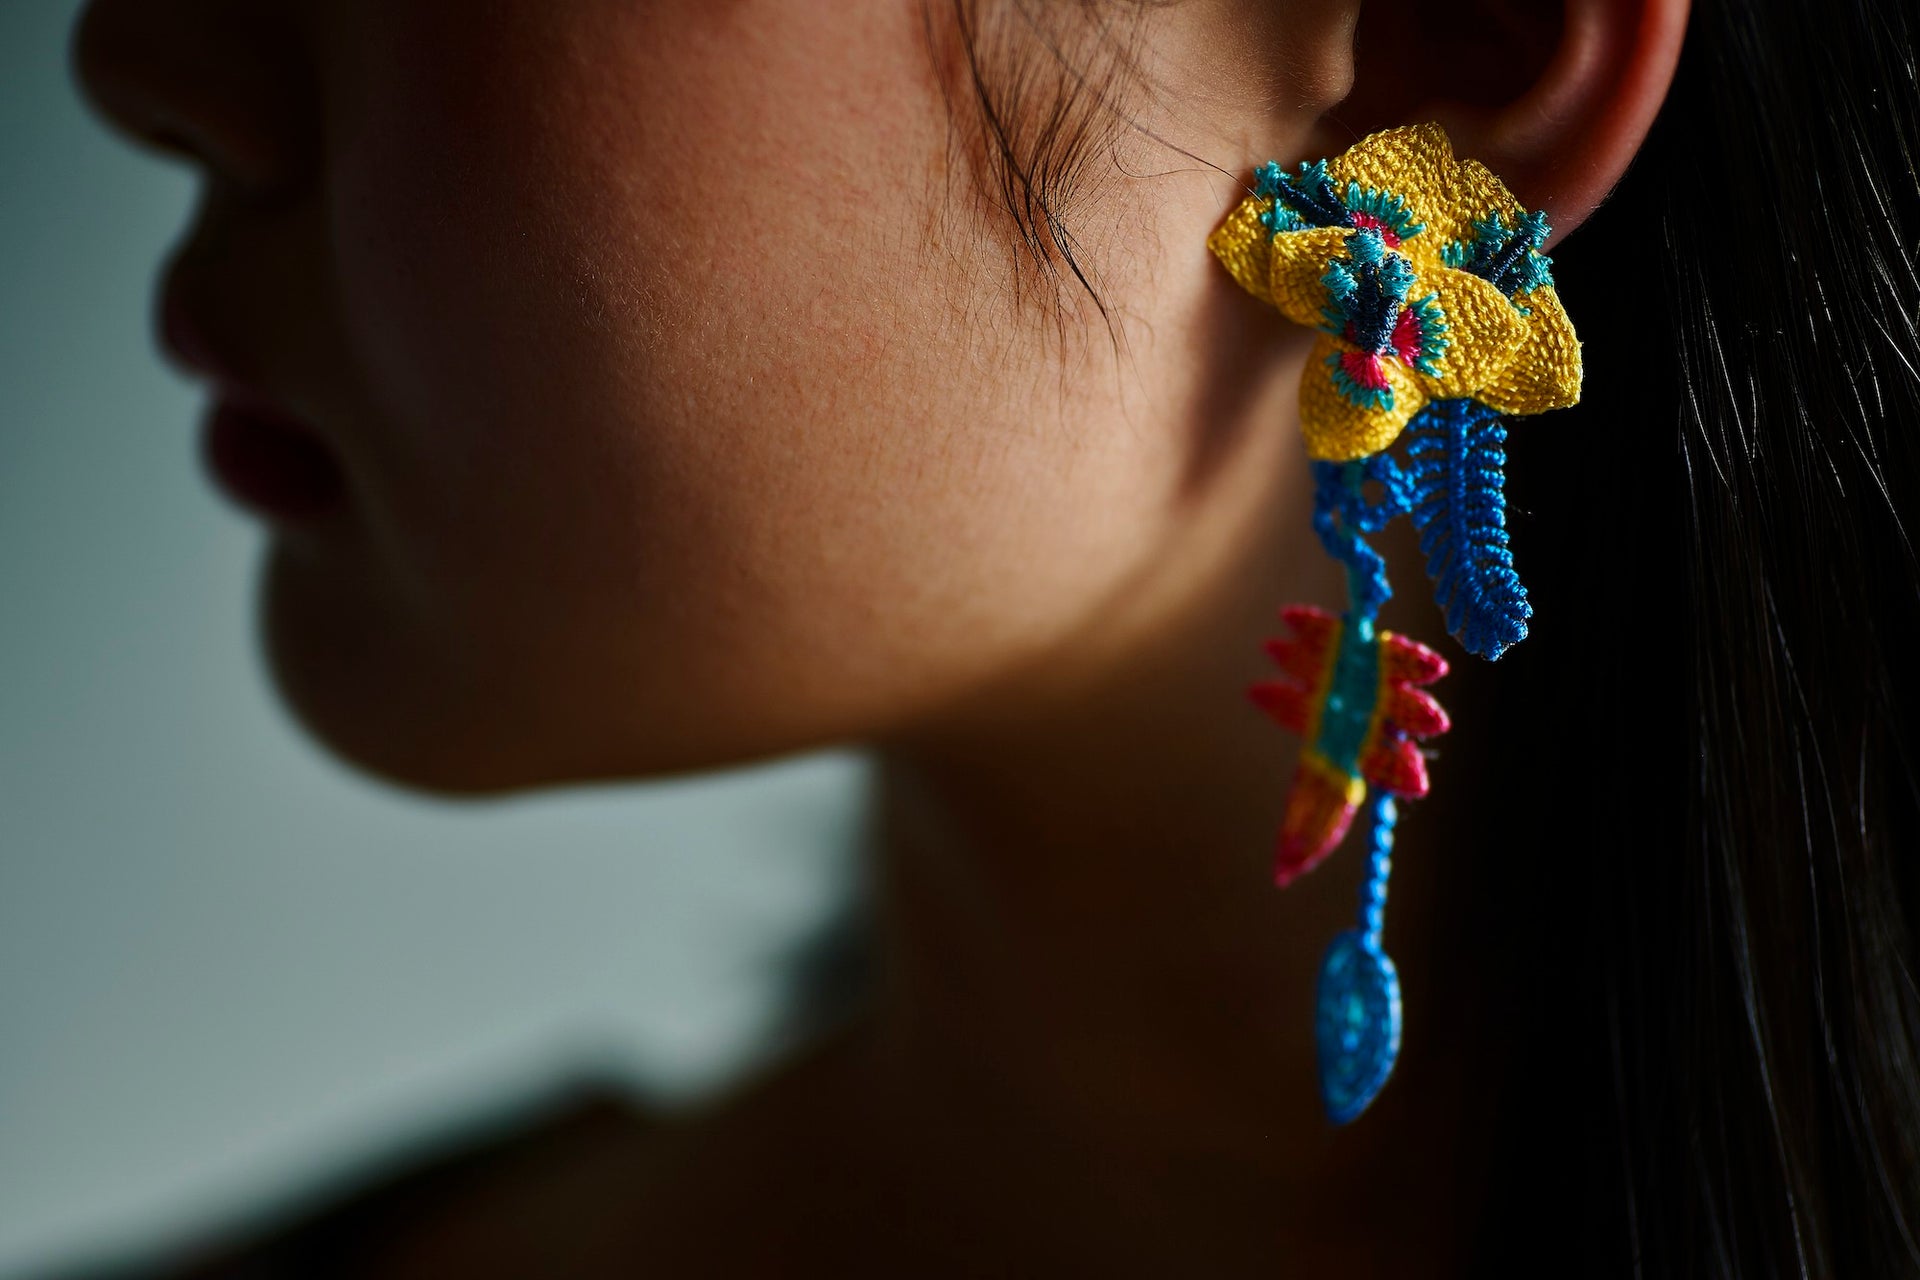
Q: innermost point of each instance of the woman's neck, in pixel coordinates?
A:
(1083, 952)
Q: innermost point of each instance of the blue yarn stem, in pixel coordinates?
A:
(1373, 890)
(1357, 1001)
(1342, 514)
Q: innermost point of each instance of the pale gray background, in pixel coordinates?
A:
(226, 965)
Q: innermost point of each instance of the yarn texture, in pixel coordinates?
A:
(1436, 314)
(1424, 277)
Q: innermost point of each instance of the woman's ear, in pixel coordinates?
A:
(1555, 96)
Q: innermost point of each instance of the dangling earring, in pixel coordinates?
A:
(1437, 315)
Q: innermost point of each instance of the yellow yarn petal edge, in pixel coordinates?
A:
(1298, 263)
(1241, 245)
(1336, 429)
(1539, 371)
(1484, 332)
(1476, 192)
(1545, 373)
(1416, 163)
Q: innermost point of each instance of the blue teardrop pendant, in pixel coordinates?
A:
(1357, 1024)
(1357, 1006)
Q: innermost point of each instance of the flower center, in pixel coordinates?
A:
(1367, 294)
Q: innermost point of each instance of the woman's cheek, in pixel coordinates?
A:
(705, 429)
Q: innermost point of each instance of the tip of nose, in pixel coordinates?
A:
(105, 57)
(152, 75)
(87, 49)
(108, 44)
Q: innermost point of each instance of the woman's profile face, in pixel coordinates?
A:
(678, 395)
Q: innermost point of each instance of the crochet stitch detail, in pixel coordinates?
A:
(1435, 312)
(1466, 242)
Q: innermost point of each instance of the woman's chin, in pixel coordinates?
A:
(374, 694)
(416, 709)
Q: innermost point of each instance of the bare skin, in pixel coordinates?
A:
(681, 403)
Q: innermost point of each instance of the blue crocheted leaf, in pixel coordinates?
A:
(1356, 1024)
(1456, 461)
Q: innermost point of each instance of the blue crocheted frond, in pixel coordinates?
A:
(1456, 464)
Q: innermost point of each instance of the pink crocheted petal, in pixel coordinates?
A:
(1415, 711)
(1320, 808)
(1408, 661)
(1366, 370)
(1409, 337)
(1395, 764)
(1310, 623)
(1288, 703)
(1299, 659)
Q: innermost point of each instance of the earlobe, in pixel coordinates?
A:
(1555, 102)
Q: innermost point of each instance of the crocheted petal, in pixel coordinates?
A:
(1545, 372)
(1320, 807)
(1335, 427)
(1414, 162)
(1395, 765)
(1475, 194)
(1241, 244)
(1483, 334)
(1298, 262)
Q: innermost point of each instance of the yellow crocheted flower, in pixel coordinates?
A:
(1424, 276)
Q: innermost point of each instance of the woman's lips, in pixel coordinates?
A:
(269, 463)
(262, 457)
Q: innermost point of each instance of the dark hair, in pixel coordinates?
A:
(1744, 668)
(1696, 868)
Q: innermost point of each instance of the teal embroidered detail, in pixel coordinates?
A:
(1433, 334)
(1366, 292)
(1507, 257)
(1348, 710)
(1386, 211)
